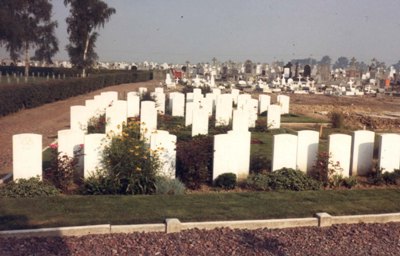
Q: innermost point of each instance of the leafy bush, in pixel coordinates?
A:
(337, 119)
(289, 179)
(350, 182)
(392, 178)
(167, 186)
(97, 124)
(261, 125)
(130, 167)
(63, 170)
(283, 179)
(14, 98)
(326, 171)
(32, 187)
(194, 161)
(259, 164)
(226, 181)
(258, 181)
(130, 164)
(99, 183)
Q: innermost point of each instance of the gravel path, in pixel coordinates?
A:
(338, 240)
(48, 120)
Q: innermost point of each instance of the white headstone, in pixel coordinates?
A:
(283, 101)
(93, 108)
(212, 98)
(235, 93)
(284, 151)
(159, 90)
(242, 100)
(133, 101)
(363, 151)
(189, 97)
(164, 144)
(240, 143)
(27, 156)
(389, 152)
(223, 113)
(109, 96)
(200, 121)
(222, 154)
(197, 91)
(78, 118)
(307, 149)
(340, 151)
(116, 117)
(148, 119)
(178, 104)
(252, 108)
(159, 98)
(264, 101)
(70, 142)
(94, 147)
(216, 91)
(240, 120)
(274, 117)
(142, 91)
(189, 113)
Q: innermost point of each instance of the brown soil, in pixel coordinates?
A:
(49, 119)
(360, 239)
(377, 113)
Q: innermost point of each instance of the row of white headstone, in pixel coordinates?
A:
(231, 152)
(349, 155)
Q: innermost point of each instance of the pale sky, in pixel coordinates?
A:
(176, 31)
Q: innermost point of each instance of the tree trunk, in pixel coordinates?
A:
(85, 56)
(26, 59)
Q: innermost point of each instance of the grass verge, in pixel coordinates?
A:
(89, 210)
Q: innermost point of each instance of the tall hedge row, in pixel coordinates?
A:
(21, 96)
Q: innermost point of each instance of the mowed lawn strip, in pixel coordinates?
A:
(89, 210)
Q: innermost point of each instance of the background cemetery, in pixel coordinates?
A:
(197, 133)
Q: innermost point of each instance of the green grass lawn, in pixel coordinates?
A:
(90, 210)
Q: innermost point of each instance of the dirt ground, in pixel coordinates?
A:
(376, 113)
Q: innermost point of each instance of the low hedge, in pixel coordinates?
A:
(16, 97)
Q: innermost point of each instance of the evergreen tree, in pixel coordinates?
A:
(86, 16)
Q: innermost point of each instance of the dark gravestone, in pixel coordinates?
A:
(307, 71)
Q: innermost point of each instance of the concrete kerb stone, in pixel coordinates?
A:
(138, 228)
(173, 225)
(60, 231)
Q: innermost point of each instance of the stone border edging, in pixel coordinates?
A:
(172, 225)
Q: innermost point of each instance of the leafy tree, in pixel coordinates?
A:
(86, 16)
(26, 25)
(326, 60)
(342, 62)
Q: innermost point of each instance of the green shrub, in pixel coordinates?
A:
(392, 178)
(283, 179)
(32, 187)
(261, 125)
(194, 161)
(259, 164)
(99, 183)
(337, 119)
(226, 181)
(289, 179)
(63, 171)
(131, 166)
(167, 186)
(258, 181)
(14, 98)
(350, 182)
(97, 124)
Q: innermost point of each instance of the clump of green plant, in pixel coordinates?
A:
(259, 164)
(327, 171)
(63, 171)
(32, 187)
(350, 182)
(283, 179)
(194, 161)
(130, 167)
(261, 125)
(337, 119)
(258, 181)
(168, 186)
(226, 181)
(392, 178)
(99, 183)
(97, 124)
